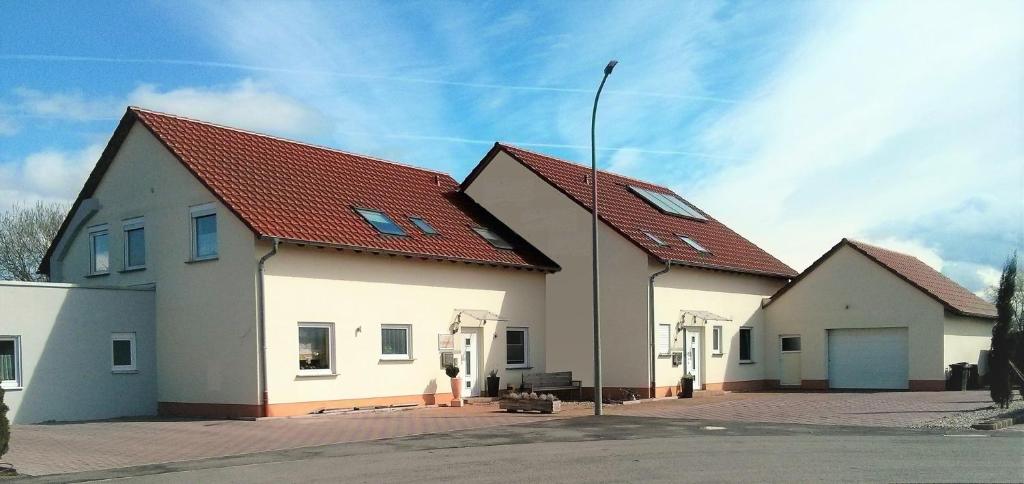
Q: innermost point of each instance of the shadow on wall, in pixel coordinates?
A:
(67, 371)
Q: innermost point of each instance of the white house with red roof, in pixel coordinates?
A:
(257, 276)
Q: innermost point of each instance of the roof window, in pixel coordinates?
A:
(381, 222)
(693, 243)
(422, 224)
(668, 203)
(492, 238)
(654, 238)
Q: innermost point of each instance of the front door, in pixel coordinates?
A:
(470, 368)
(693, 357)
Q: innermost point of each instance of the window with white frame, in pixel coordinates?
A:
(395, 342)
(10, 362)
(790, 344)
(716, 340)
(134, 244)
(99, 249)
(663, 338)
(122, 352)
(204, 231)
(517, 347)
(316, 348)
(746, 345)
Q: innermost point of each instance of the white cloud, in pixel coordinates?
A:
(70, 105)
(247, 104)
(48, 175)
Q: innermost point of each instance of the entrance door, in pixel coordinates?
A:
(470, 368)
(693, 357)
(789, 360)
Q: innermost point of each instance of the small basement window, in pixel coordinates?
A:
(395, 342)
(10, 362)
(316, 351)
(693, 243)
(122, 347)
(422, 224)
(492, 238)
(654, 238)
(381, 222)
(99, 249)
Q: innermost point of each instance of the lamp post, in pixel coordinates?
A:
(598, 401)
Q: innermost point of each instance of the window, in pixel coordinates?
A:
(10, 362)
(746, 344)
(517, 342)
(663, 339)
(134, 244)
(122, 347)
(316, 349)
(716, 340)
(790, 344)
(492, 237)
(394, 342)
(422, 224)
(99, 249)
(668, 203)
(381, 222)
(693, 243)
(204, 232)
(654, 238)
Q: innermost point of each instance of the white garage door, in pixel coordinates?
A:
(873, 358)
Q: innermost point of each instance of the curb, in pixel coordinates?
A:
(998, 423)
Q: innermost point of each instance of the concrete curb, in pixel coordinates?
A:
(998, 423)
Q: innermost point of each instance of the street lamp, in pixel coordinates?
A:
(598, 401)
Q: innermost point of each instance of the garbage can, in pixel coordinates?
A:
(686, 383)
(958, 373)
(973, 377)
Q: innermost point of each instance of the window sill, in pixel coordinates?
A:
(131, 269)
(124, 372)
(747, 362)
(717, 355)
(519, 368)
(204, 259)
(397, 360)
(13, 389)
(96, 274)
(316, 375)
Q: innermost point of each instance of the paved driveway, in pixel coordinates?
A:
(75, 447)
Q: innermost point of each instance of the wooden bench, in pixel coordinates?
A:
(552, 382)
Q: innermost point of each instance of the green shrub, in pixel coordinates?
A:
(452, 371)
(5, 426)
(1002, 342)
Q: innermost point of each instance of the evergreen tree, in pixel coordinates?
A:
(1002, 344)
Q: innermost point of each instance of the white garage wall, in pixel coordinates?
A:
(966, 339)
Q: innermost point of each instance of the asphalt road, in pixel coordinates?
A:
(621, 449)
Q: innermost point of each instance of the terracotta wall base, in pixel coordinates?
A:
(222, 410)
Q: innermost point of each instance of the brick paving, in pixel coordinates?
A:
(76, 447)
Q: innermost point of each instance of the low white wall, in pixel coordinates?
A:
(65, 339)
(966, 339)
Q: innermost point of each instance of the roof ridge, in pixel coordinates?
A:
(288, 140)
(563, 160)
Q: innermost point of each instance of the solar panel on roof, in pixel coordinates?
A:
(668, 203)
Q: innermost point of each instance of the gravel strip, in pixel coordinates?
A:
(964, 420)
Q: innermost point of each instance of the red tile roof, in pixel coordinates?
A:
(953, 296)
(630, 215)
(307, 194)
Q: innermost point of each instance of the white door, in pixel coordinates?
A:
(470, 368)
(693, 357)
(871, 358)
(789, 360)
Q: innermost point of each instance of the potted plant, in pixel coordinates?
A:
(492, 383)
(687, 386)
(453, 372)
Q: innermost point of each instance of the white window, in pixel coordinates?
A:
(517, 347)
(316, 348)
(395, 342)
(790, 344)
(746, 345)
(716, 340)
(134, 244)
(204, 232)
(663, 339)
(122, 352)
(99, 249)
(10, 362)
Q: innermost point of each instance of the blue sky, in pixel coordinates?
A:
(796, 123)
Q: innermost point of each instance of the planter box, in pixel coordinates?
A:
(542, 406)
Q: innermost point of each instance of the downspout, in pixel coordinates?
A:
(262, 333)
(650, 322)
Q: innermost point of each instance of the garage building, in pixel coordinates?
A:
(865, 317)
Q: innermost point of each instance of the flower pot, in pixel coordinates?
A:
(456, 392)
(493, 386)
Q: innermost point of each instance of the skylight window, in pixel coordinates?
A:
(668, 203)
(655, 238)
(492, 237)
(694, 244)
(381, 222)
(422, 224)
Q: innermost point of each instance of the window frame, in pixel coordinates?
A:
(654, 238)
(129, 225)
(526, 347)
(668, 342)
(480, 230)
(693, 244)
(16, 383)
(331, 369)
(407, 356)
(423, 225)
(362, 211)
(716, 340)
(195, 213)
(750, 344)
(94, 232)
(130, 338)
(783, 337)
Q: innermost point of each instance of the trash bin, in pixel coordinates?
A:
(973, 377)
(686, 383)
(958, 373)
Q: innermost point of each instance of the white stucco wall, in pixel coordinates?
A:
(205, 311)
(360, 292)
(66, 354)
(966, 339)
(848, 290)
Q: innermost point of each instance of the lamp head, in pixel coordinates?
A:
(610, 66)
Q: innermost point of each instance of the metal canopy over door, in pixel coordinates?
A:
(870, 358)
(470, 366)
